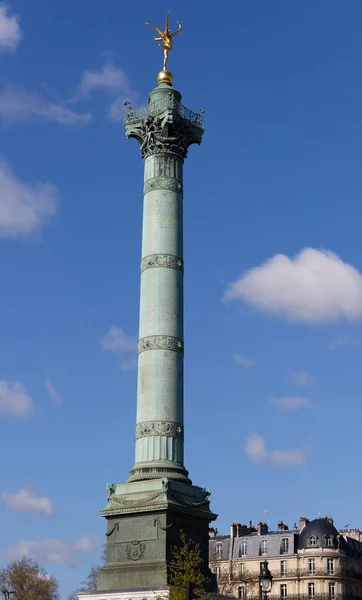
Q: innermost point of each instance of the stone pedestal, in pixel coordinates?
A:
(145, 519)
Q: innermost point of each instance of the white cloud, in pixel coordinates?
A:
(19, 105)
(128, 365)
(244, 361)
(10, 32)
(15, 400)
(108, 77)
(24, 206)
(290, 403)
(54, 395)
(24, 500)
(344, 341)
(116, 340)
(51, 550)
(111, 80)
(315, 286)
(301, 378)
(256, 449)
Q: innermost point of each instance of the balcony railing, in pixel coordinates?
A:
(157, 108)
(298, 573)
(315, 597)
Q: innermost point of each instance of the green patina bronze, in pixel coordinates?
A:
(146, 514)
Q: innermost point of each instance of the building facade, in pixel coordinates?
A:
(314, 561)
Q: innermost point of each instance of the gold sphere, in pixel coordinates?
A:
(165, 76)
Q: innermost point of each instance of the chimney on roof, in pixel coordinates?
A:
(213, 532)
(262, 528)
(251, 526)
(282, 526)
(233, 530)
(330, 520)
(303, 522)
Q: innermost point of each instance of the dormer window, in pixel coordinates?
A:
(263, 547)
(243, 548)
(312, 540)
(329, 540)
(284, 546)
(218, 550)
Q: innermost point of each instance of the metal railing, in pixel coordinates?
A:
(298, 573)
(158, 107)
(314, 597)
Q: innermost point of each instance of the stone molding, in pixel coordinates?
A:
(162, 183)
(160, 342)
(163, 428)
(162, 260)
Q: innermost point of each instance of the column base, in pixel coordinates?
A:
(145, 519)
(158, 470)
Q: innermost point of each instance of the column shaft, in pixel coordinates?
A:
(159, 430)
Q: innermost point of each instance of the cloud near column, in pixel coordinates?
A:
(52, 550)
(315, 286)
(119, 342)
(256, 450)
(25, 207)
(25, 500)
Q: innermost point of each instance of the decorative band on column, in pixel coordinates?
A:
(160, 342)
(162, 183)
(162, 260)
(167, 428)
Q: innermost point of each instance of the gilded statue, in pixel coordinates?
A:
(166, 38)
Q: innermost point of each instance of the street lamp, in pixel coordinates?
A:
(7, 594)
(265, 580)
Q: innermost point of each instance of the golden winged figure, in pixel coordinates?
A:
(166, 38)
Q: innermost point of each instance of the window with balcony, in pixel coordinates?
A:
(331, 590)
(242, 570)
(218, 573)
(329, 540)
(218, 550)
(283, 568)
(283, 590)
(330, 566)
(284, 546)
(263, 547)
(243, 548)
(312, 540)
(311, 566)
(311, 591)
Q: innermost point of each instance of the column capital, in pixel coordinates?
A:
(164, 125)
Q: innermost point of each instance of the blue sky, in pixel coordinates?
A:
(272, 252)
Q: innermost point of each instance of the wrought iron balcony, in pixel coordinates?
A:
(315, 597)
(160, 106)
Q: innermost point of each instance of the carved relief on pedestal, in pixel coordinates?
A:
(161, 260)
(135, 551)
(160, 342)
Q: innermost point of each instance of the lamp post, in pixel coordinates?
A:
(265, 580)
(7, 594)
